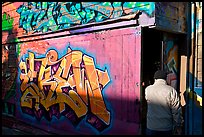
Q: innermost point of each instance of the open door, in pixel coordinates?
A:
(158, 52)
(151, 60)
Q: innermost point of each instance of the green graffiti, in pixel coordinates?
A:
(7, 25)
(7, 22)
(18, 48)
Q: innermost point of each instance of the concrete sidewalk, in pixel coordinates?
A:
(11, 126)
(10, 131)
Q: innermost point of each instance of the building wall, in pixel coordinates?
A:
(76, 83)
(73, 84)
(171, 16)
(198, 49)
(194, 102)
(42, 17)
(34, 32)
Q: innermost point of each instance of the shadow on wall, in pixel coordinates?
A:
(113, 119)
(194, 96)
(9, 71)
(70, 112)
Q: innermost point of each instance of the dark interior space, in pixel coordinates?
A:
(151, 61)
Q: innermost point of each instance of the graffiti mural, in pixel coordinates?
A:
(171, 59)
(7, 22)
(52, 16)
(70, 86)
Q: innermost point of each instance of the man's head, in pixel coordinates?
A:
(160, 74)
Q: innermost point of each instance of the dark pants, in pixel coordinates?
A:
(154, 132)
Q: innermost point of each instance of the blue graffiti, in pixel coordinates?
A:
(52, 16)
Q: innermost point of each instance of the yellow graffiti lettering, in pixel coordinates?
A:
(32, 92)
(23, 75)
(96, 100)
(80, 108)
(42, 69)
(66, 65)
(31, 72)
(76, 61)
(71, 80)
(103, 77)
(46, 73)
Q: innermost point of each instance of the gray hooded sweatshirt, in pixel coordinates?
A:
(163, 106)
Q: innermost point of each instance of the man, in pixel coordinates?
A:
(163, 107)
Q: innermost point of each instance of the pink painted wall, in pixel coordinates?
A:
(118, 52)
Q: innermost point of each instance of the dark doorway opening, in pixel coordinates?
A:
(151, 61)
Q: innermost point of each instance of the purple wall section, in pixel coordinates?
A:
(116, 108)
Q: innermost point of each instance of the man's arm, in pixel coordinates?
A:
(176, 108)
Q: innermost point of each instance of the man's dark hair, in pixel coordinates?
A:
(160, 74)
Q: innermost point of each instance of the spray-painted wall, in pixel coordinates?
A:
(86, 83)
(74, 84)
(42, 17)
(170, 58)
